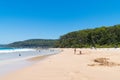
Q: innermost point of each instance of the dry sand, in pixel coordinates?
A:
(70, 66)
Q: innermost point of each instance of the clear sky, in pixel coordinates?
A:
(49, 19)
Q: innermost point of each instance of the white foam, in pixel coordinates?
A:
(16, 50)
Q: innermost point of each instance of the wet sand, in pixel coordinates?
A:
(70, 66)
(10, 65)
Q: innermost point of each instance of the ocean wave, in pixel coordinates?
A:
(15, 50)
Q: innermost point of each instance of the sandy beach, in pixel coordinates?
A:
(69, 66)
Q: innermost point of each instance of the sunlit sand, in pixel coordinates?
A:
(69, 66)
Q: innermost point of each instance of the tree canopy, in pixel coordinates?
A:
(34, 43)
(98, 37)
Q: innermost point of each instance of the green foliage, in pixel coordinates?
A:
(98, 37)
(34, 43)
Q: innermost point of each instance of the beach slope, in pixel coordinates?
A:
(70, 66)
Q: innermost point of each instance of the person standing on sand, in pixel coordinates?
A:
(80, 52)
(19, 54)
(75, 51)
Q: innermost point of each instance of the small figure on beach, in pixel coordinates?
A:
(19, 54)
(75, 51)
(80, 52)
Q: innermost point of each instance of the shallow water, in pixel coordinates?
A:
(13, 66)
(12, 61)
(23, 54)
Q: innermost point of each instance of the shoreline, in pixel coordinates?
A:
(68, 66)
(16, 50)
(22, 53)
(6, 66)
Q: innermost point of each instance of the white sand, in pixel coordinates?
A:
(68, 66)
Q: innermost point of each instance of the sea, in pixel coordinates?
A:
(12, 59)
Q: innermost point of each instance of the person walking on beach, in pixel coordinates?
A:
(75, 51)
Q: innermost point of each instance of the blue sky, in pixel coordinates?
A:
(49, 19)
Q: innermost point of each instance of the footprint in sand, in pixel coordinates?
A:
(77, 76)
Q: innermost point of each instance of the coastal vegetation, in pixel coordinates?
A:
(105, 36)
(44, 43)
(98, 37)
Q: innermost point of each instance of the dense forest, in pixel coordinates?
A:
(98, 37)
(44, 43)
